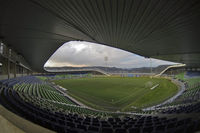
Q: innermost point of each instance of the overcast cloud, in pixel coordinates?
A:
(79, 53)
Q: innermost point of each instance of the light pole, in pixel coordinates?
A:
(106, 61)
(150, 67)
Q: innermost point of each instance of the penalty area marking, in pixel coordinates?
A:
(154, 87)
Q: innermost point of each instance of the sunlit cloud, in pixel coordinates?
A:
(81, 54)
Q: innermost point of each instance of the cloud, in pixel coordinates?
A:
(79, 53)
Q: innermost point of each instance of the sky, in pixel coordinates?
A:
(81, 54)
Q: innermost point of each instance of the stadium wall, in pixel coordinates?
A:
(13, 123)
(12, 65)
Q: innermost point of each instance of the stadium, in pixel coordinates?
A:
(163, 99)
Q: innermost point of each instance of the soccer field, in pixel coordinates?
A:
(119, 94)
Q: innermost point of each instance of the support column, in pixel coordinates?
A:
(8, 68)
(14, 69)
(28, 72)
(22, 71)
(4, 74)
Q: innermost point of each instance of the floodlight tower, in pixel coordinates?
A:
(150, 67)
(106, 61)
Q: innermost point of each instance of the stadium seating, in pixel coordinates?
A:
(192, 74)
(39, 102)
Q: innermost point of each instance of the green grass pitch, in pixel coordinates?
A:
(119, 94)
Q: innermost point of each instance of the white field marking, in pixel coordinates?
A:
(62, 88)
(154, 87)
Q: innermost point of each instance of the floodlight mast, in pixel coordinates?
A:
(106, 62)
(151, 65)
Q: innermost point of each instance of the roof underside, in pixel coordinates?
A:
(164, 29)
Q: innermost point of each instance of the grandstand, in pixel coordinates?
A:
(32, 30)
(37, 101)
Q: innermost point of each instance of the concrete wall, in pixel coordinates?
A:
(8, 127)
(12, 123)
